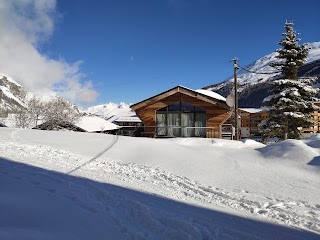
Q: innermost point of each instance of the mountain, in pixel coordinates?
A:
(254, 84)
(13, 98)
(111, 111)
(12, 95)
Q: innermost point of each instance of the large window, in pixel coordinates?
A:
(181, 119)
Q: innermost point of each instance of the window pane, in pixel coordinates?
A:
(163, 109)
(197, 109)
(161, 124)
(174, 124)
(175, 107)
(200, 123)
(181, 119)
(187, 124)
(186, 107)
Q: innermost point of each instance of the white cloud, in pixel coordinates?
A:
(24, 26)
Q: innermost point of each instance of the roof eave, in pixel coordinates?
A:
(180, 89)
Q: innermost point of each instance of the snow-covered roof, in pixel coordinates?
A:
(128, 119)
(211, 94)
(253, 110)
(94, 124)
(181, 89)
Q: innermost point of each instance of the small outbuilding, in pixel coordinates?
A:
(183, 112)
(130, 125)
(83, 124)
(96, 124)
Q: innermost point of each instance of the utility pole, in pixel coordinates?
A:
(235, 68)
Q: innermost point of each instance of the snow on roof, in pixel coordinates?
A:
(253, 110)
(128, 119)
(211, 94)
(94, 124)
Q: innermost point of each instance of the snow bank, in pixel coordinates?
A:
(294, 151)
(251, 142)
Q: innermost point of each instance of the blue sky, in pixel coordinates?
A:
(133, 49)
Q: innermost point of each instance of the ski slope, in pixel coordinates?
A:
(67, 185)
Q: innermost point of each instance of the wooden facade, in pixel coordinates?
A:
(217, 111)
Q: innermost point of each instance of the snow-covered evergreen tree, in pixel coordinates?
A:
(291, 102)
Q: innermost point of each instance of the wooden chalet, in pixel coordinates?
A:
(183, 112)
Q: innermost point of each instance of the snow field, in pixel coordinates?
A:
(132, 217)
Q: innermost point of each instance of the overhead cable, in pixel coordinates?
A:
(258, 72)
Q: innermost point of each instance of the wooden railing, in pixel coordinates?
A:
(209, 132)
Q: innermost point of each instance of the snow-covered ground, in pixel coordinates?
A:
(67, 185)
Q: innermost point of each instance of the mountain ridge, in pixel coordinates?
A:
(12, 95)
(254, 85)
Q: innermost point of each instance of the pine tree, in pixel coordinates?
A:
(291, 102)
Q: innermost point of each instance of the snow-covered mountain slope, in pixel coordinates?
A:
(262, 65)
(253, 86)
(12, 94)
(100, 186)
(111, 111)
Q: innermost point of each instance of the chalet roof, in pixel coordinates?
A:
(204, 95)
(253, 110)
(128, 119)
(95, 124)
(84, 124)
(211, 94)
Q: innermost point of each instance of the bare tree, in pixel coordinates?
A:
(36, 110)
(54, 112)
(59, 110)
(22, 119)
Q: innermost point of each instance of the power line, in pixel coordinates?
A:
(257, 72)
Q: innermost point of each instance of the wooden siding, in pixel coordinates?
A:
(215, 114)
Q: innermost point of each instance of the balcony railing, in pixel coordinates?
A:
(181, 131)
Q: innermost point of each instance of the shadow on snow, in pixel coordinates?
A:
(112, 212)
(315, 161)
